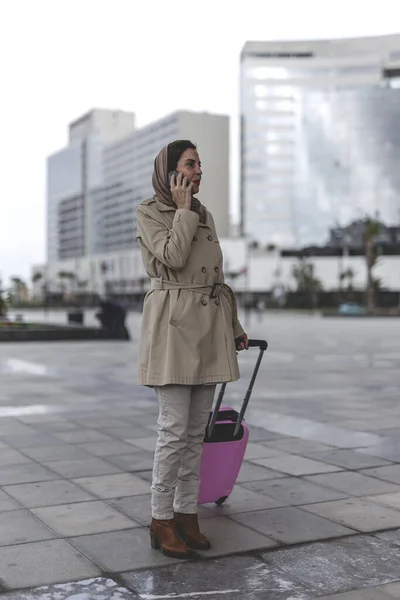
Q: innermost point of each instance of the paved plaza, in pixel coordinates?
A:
(315, 512)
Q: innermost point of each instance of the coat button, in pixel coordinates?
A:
(216, 269)
(210, 238)
(217, 303)
(204, 302)
(195, 239)
(203, 270)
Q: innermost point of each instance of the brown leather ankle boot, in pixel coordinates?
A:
(165, 537)
(189, 530)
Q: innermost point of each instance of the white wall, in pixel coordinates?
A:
(267, 268)
(120, 265)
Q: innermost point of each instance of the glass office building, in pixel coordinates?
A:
(320, 137)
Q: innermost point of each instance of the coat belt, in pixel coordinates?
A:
(213, 290)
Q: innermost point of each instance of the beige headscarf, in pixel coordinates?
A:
(161, 185)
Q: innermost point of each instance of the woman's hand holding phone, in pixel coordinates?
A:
(181, 190)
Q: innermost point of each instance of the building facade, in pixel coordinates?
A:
(72, 173)
(319, 137)
(97, 182)
(254, 271)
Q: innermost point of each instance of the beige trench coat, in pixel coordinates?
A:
(189, 325)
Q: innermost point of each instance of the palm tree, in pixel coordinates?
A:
(19, 289)
(306, 281)
(37, 277)
(347, 276)
(372, 230)
(68, 276)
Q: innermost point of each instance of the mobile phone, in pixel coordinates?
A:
(175, 174)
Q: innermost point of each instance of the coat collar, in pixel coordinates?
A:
(163, 207)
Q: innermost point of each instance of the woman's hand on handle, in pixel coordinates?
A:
(181, 191)
(242, 343)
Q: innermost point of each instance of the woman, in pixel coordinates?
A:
(190, 334)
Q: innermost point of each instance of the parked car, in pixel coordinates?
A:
(351, 308)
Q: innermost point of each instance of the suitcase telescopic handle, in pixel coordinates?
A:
(262, 345)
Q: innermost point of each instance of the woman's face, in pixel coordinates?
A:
(189, 164)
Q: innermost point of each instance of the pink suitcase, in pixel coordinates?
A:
(225, 443)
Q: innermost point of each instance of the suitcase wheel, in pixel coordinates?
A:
(221, 500)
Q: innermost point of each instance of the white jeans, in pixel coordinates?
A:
(183, 416)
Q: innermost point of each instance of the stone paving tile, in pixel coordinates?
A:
(348, 459)
(139, 461)
(392, 589)
(30, 440)
(228, 537)
(19, 527)
(13, 457)
(43, 563)
(234, 578)
(251, 472)
(146, 419)
(28, 473)
(10, 428)
(113, 486)
(245, 500)
(53, 453)
(388, 449)
(98, 588)
(56, 426)
(106, 448)
(145, 475)
(119, 551)
(82, 436)
(299, 446)
(295, 465)
(86, 467)
(47, 493)
(83, 518)
(41, 419)
(129, 433)
(294, 491)
(363, 594)
(259, 434)
(96, 423)
(354, 484)
(357, 513)
(259, 450)
(339, 565)
(392, 500)
(152, 428)
(291, 525)
(148, 444)
(390, 473)
(8, 503)
(318, 432)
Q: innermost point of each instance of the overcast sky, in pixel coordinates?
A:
(59, 58)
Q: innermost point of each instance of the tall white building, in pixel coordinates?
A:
(320, 136)
(72, 174)
(96, 183)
